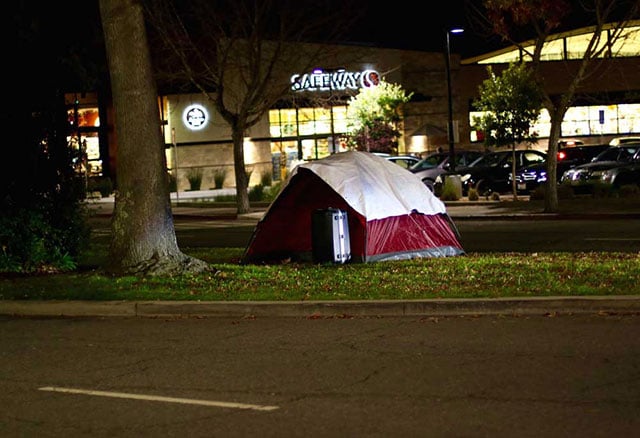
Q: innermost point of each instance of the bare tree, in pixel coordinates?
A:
(143, 240)
(240, 54)
(511, 19)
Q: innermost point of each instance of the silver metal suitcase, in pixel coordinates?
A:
(330, 236)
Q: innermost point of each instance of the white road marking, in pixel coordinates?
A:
(186, 401)
(621, 239)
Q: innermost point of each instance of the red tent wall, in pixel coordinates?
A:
(411, 236)
(285, 230)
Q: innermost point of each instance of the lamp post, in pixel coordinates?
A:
(452, 161)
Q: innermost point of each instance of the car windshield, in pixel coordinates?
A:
(489, 160)
(465, 158)
(617, 153)
(624, 140)
(530, 157)
(430, 161)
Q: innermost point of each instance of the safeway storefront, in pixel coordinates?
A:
(199, 140)
(310, 123)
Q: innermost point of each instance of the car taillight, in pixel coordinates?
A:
(562, 155)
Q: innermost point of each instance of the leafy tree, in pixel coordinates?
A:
(517, 20)
(239, 54)
(374, 113)
(512, 103)
(143, 235)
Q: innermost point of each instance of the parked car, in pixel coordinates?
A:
(532, 176)
(490, 172)
(405, 161)
(617, 141)
(611, 169)
(569, 142)
(437, 163)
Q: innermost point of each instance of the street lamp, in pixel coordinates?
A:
(452, 161)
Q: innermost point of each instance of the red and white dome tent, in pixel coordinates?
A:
(392, 215)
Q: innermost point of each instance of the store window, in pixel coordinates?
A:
(573, 46)
(584, 121)
(306, 121)
(308, 133)
(83, 117)
(629, 118)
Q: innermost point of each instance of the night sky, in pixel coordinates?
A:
(405, 25)
(38, 30)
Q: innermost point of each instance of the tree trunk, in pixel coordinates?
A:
(514, 186)
(551, 188)
(242, 181)
(143, 236)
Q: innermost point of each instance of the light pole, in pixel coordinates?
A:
(452, 156)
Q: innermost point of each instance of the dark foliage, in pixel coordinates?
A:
(42, 225)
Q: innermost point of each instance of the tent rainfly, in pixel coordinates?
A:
(391, 214)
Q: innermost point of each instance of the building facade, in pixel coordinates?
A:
(311, 122)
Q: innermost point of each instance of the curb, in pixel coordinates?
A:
(541, 306)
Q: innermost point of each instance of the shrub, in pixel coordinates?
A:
(43, 224)
(44, 231)
(194, 175)
(473, 195)
(256, 193)
(173, 182)
(30, 243)
(564, 192)
(629, 191)
(219, 175)
(225, 198)
(100, 184)
(266, 179)
(449, 194)
(537, 193)
(602, 191)
(451, 189)
(272, 192)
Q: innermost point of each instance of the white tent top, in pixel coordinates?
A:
(374, 186)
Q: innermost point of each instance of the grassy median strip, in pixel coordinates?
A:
(483, 275)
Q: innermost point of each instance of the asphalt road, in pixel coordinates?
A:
(548, 235)
(507, 234)
(553, 376)
(522, 234)
(483, 226)
(473, 374)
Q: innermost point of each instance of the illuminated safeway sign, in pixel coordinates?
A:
(195, 117)
(320, 80)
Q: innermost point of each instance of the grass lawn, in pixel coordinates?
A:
(485, 275)
(468, 276)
